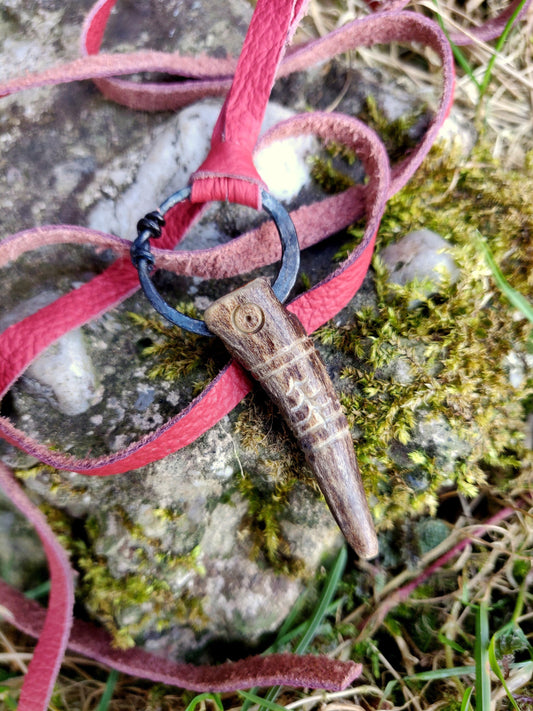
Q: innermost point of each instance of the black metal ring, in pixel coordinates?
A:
(150, 226)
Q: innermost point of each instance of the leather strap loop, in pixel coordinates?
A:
(228, 173)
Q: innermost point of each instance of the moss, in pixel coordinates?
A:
(57, 481)
(277, 466)
(454, 345)
(261, 432)
(61, 524)
(177, 353)
(33, 472)
(331, 179)
(169, 515)
(150, 552)
(398, 135)
(126, 605)
(332, 172)
(262, 522)
(110, 599)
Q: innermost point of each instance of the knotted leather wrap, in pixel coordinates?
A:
(227, 173)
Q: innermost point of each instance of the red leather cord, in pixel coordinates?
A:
(489, 30)
(46, 661)
(227, 172)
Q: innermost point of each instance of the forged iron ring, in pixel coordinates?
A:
(150, 227)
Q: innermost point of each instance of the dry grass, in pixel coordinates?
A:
(412, 625)
(506, 114)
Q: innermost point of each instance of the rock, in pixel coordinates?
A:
(430, 532)
(518, 365)
(66, 370)
(185, 522)
(420, 255)
(437, 439)
(64, 373)
(457, 133)
(178, 150)
(285, 165)
(411, 540)
(22, 559)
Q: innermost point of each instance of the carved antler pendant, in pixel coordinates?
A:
(272, 344)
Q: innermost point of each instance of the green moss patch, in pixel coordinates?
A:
(454, 351)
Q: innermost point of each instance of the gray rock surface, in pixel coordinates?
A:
(179, 148)
(22, 559)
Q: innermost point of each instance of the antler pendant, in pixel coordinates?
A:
(272, 344)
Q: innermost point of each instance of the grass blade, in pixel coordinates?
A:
(465, 703)
(108, 691)
(496, 669)
(451, 643)
(264, 703)
(515, 297)
(325, 599)
(436, 674)
(287, 628)
(39, 591)
(481, 654)
(317, 618)
(207, 696)
(460, 58)
(497, 49)
(433, 675)
(297, 631)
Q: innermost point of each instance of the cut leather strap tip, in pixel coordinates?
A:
(306, 671)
